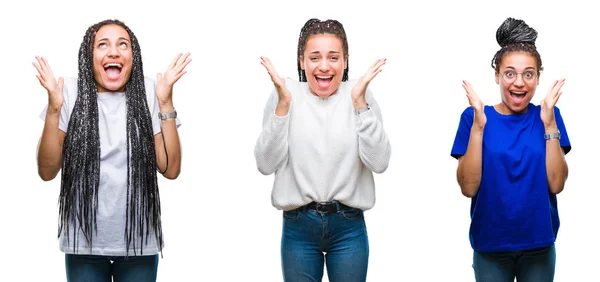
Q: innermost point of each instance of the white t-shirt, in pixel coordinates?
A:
(112, 192)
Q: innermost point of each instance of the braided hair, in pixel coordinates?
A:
(516, 36)
(316, 26)
(78, 200)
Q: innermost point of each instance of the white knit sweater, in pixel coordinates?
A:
(322, 150)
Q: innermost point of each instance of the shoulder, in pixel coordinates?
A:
(149, 84)
(70, 84)
(294, 86)
(70, 88)
(347, 86)
(469, 112)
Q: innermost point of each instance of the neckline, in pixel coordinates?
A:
(530, 107)
(108, 95)
(333, 97)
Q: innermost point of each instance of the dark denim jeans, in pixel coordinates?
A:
(311, 239)
(535, 265)
(88, 268)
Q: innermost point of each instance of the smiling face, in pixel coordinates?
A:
(517, 77)
(323, 62)
(113, 58)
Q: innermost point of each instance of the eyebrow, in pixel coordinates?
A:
(106, 39)
(330, 52)
(527, 68)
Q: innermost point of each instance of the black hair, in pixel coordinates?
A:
(515, 35)
(80, 177)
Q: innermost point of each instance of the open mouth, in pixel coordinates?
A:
(518, 96)
(323, 80)
(113, 70)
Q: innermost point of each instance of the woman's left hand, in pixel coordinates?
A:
(359, 90)
(547, 112)
(166, 80)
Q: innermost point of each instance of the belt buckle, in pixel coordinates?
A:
(321, 205)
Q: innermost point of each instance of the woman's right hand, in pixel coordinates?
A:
(47, 80)
(279, 82)
(480, 119)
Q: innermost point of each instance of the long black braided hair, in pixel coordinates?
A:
(515, 35)
(78, 200)
(316, 26)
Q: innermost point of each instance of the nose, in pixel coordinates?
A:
(113, 51)
(323, 65)
(519, 80)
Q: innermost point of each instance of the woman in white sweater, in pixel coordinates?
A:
(323, 138)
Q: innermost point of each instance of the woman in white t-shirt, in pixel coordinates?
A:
(323, 138)
(109, 130)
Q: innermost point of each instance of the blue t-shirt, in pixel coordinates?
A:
(514, 208)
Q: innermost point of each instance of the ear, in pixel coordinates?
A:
(497, 78)
(301, 60)
(346, 63)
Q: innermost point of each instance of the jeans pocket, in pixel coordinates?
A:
(352, 213)
(291, 215)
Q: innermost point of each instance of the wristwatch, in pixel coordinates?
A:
(358, 112)
(555, 135)
(172, 114)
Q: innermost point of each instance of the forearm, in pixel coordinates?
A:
(468, 173)
(49, 157)
(374, 147)
(271, 148)
(556, 164)
(168, 146)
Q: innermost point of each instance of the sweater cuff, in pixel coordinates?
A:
(365, 117)
(278, 121)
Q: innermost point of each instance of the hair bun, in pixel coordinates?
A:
(515, 31)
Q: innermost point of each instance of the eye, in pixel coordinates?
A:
(529, 74)
(334, 58)
(314, 59)
(509, 74)
(102, 45)
(123, 45)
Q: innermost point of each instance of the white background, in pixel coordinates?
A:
(218, 220)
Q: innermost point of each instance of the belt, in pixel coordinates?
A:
(325, 207)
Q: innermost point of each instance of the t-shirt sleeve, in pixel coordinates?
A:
(69, 97)
(461, 141)
(153, 106)
(565, 143)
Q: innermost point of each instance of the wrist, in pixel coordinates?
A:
(476, 130)
(550, 128)
(166, 107)
(53, 110)
(359, 103)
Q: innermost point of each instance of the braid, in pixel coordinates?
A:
(316, 26)
(516, 36)
(78, 198)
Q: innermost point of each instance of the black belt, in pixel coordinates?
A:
(325, 207)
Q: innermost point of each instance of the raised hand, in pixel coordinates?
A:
(47, 80)
(166, 80)
(480, 119)
(547, 112)
(359, 90)
(279, 82)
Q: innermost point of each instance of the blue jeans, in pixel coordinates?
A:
(535, 265)
(89, 268)
(311, 239)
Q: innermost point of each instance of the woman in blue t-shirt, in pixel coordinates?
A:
(511, 162)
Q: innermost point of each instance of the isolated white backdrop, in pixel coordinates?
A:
(219, 224)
